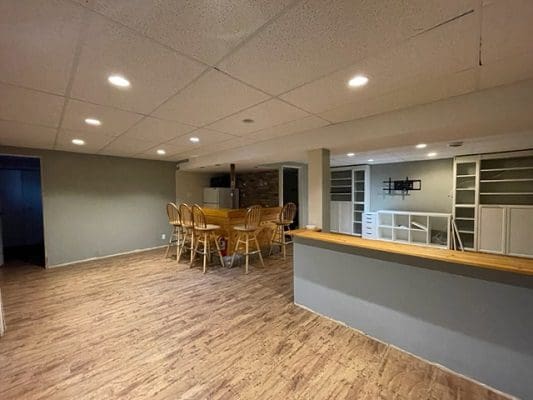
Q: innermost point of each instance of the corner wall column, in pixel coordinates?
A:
(318, 188)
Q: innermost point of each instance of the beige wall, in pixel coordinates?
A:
(190, 185)
(318, 188)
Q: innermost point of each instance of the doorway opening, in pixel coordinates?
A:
(291, 191)
(21, 212)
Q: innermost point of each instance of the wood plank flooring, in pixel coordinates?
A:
(142, 327)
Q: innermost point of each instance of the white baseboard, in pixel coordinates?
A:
(103, 257)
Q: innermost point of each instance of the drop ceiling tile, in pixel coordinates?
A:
(114, 121)
(506, 29)
(125, 147)
(93, 141)
(316, 38)
(207, 149)
(26, 135)
(37, 42)
(155, 130)
(203, 29)
(420, 93)
(288, 128)
(506, 70)
(213, 96)
(450, 48)
(206, 136)
(30, 106)
(155, 72)
(265, 115)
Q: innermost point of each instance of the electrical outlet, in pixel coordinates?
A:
(163, 236)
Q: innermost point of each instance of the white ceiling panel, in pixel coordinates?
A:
(153, 130)
(206, 149)
(93, 141)
(318, 37)
(506, 70)
(203, 29)
(26, 135)
(298, 125)
(265, 115)
(124, 147)
(30, 106)
(213, 96)
(506, 29)
(420, 93)
(442, 51)
(207, 137)
(155, 72)
(114, 121)
(37, 42)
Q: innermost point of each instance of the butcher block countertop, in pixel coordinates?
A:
(517, 265)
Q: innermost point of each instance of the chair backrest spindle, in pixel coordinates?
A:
(253, 217)
(198, 217)
(186, 215)
(173, 214)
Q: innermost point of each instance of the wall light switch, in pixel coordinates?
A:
(163, 236)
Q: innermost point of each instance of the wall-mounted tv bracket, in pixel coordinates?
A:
(403, 186)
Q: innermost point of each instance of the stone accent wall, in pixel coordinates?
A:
(260, 188)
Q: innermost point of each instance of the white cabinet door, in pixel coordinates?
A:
(492, 229)
(520, 231)
(334, 216)
(345, 217)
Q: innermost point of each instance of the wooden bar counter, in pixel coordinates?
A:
(227, 218)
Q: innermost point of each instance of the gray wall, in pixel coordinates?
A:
(98, 205)
(473, 321)
(437, 186)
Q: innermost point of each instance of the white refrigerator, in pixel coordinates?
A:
(219, 198)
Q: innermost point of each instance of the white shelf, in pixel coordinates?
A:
(507, 180)
(465, 176)
(464, 219)
(471, 189)
(506, 194)
(505, 169)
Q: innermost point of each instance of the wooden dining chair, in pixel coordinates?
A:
(204, 237)
(247, 234)
(174, 221)
(283, 228)
(187, 225)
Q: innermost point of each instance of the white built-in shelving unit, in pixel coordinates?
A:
(349, 198)
(427, 229)
(493, 202)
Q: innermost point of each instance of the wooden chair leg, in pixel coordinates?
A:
(205, 252)
(218, 249)
(235, 249)
(169, 243)
(272, 240)
(194, 248)
(181, 247)
(247, 250)
(259, 250)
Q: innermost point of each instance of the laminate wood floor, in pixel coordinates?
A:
(142, 327)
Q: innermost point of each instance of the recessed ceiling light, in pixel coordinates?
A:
(421, 146)
(194, 139)
(432, 154)
(350, 154)
(248, 121)
(78, 142)
(358, 81)
(93, 121)
(161, 152)
(370, 160)
(119, 81)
